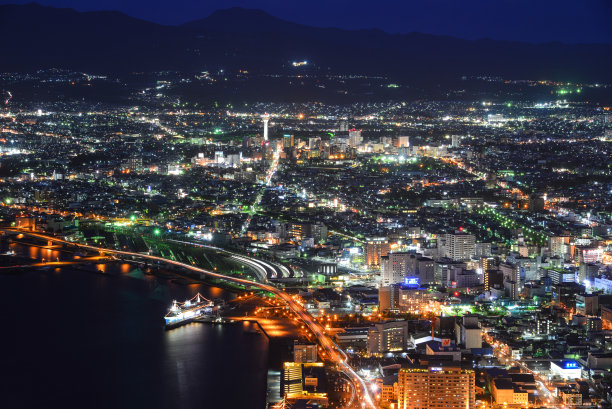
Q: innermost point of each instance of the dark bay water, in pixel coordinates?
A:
(79, 339)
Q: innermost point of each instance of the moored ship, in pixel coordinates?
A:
(185, 312)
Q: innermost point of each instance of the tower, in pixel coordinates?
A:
(266, 118)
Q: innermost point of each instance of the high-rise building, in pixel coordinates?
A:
(355, 137)
(492, 278)
(388, 298)
(288, 141)
(587, 272)
(468, 332)
(219, 158)
(505, 392)
(587, 304)
(388, 336)
(482, 250)
(513, 283)
(588, 254)
(402, 142)
(375, 249)
(406, 297)
(394, 267)
(458, 246)
(456, 141)
(436, 386)
(486, 264)
(543, 325)
(425, 270)
(558, 246)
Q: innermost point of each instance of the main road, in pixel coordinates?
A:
(330, 351)
(267, 182)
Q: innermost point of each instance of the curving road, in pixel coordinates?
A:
(330, 351)
(264, 269)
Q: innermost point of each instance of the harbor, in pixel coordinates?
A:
(121, 310)
(196, 309)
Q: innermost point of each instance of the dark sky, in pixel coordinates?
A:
(525, 20)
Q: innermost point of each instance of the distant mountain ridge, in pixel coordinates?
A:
(36, 37)
(241, 20)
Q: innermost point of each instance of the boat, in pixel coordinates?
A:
(181, 313)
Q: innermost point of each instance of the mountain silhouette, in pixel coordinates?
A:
(39, 37)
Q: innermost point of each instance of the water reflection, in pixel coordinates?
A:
(116, 322)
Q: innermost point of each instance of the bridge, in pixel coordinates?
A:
(330, 351)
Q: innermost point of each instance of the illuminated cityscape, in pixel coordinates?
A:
(246, 212)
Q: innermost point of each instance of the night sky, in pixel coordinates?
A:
(577, 21)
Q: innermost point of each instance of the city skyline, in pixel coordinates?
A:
(248, 212)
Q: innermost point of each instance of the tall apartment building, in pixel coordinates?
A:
(468, 332)
(394, 267)
(387, 336)
(424, 269)
(512, 279)
(458, 246)
(375, 249)
(355, 137)
(436, 387)
(402, 142)
(558, 246)
(482, 250)
(388, 298)
(288, 141)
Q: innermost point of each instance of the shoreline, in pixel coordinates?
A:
(164, 278)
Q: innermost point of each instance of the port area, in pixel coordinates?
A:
(205, 319)
(264, 315)
(269, 315)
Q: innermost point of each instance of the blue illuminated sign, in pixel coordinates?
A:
(570, 365)
(412, 281)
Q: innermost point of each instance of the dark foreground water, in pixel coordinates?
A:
(78, 339)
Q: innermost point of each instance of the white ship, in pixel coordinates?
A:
(184, 312)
